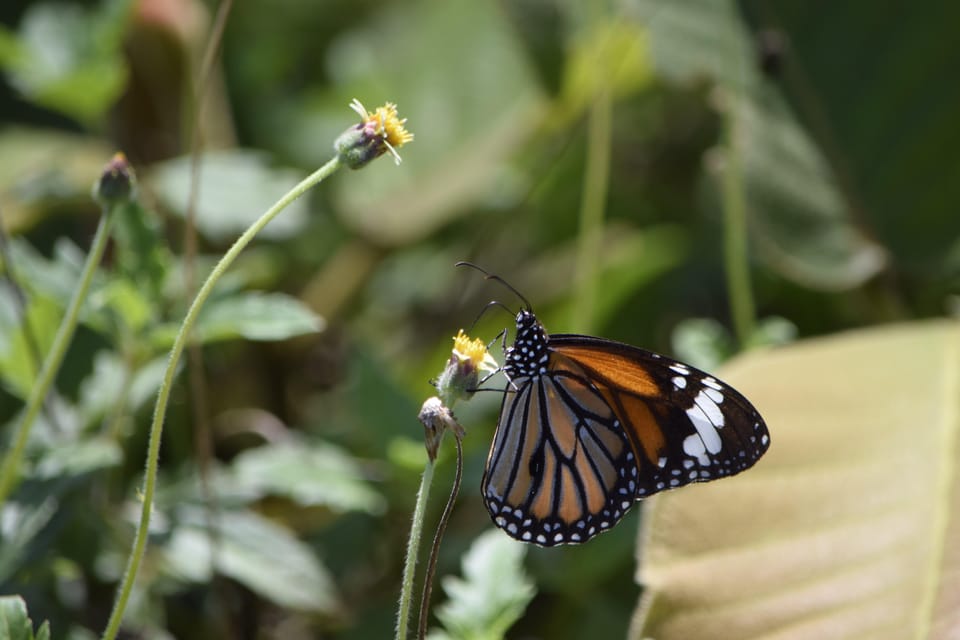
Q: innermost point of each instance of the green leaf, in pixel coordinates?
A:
(805, 225)
(236, 188)
(67, 58)
(310, 475)
(21, 348)
(15, 624)
(256, 552)
(849, 526)
(493, 593)
(869, 82)
(465, 138)
(256, 316)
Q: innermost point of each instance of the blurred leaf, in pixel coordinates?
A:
(849, 526)
(19, 364)
(619, 47)
(703, 342)
(67, 58)
(873, 84)
(310, 475)
(141, 253)
(254, 551)
(464, 136)
(256, 316)
(45, 168)
(236, 188)
(20, 527)
(805, 225)
(491, 596)
(131, 305)
(15, 624)
(79, 458)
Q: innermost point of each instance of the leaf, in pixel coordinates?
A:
(236, 188)
(310, 475)
(256, 552)
(67, 58)
(256, 316)
(806, 228)
(464, 138)
(22, 349)
(869, 82)
(493, 593)
(15, 624)
(849, 526)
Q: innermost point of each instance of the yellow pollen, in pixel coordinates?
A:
(473, 350)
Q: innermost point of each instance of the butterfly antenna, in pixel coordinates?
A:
(491, 276)
(492, 303)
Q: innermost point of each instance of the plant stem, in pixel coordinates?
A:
(595, 185)
(431, 571)
(736, 260)
(413, 546)
(9, 474)
(163, 397)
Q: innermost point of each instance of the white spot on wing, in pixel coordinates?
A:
(679, 382)
(705, 428)
(710, 408)
(679, 368)
(712, 383)
(693, 446)
(714, 395)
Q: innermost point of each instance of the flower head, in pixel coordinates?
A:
(377, 133)
(462, 373)
(117, 183)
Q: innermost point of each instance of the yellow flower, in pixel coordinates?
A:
(461, 376)
(474, 351)
(377, 133)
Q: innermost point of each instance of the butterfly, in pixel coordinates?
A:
(588, 426)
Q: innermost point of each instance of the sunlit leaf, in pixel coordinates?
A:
(256, 316)
(256, 552)
(15, 623)
(236, 188)
(310, 475)
(492, 594)
(849, 526)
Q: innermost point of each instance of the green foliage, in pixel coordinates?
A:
(291, 456)
(492, 594)
(14, 623)
(67, 58)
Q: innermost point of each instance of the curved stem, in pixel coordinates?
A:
(163, 397)
(413, 545)
(437, 538)
(9, 474)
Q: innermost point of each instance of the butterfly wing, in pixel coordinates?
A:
(604, 424)
(685, 425)
(560, 468)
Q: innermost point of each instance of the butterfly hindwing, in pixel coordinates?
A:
(560, 469)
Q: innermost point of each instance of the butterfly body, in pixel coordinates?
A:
(588, 426)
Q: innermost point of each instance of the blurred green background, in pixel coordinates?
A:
(534, 120)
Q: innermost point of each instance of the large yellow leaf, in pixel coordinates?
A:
(849, 527)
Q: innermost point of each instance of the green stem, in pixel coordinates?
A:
(736, 260)
(9, 474)
(592, 205)
(160, 409)
(413, 546)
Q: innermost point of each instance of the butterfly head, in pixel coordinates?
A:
(529, 354)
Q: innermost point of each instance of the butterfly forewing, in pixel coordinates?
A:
(588, 426)
(686, 425)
